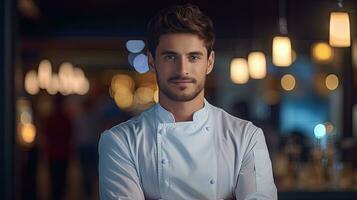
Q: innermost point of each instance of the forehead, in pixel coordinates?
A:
(181, 43)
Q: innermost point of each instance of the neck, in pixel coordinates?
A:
(182, 110)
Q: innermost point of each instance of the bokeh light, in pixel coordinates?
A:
(320, 131)
(31, 83)
(282, 55)
(144, 95)
(288, 82)
(25, 117)
(44, 73)
(331, 82)
(54, 85)
(257, 65)
(123, 97)
(27, 133)
(322, 52)
(239, 71)
(135, 46)
(140, 63)
(65, 74)
(122, 80)
(156, 96)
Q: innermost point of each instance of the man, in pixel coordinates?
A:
(183, 147)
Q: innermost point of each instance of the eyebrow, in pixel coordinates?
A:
(168, 53)
(174, 53)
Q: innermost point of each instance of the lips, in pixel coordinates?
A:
(181, 81)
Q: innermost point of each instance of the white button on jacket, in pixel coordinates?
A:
(215, 156)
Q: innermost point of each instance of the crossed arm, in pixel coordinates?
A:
(118, 178)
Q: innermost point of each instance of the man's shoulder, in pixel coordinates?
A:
(235, 126)
(130, 124)
(226, 117)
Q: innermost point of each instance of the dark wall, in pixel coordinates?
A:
(6, 99)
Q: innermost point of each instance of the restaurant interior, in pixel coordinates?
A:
(71, 69)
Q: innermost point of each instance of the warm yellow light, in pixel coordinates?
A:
(84, 86)
(144, 95)
(123, 97)
(78, 73)
(288, 82)
(28, 133)
(322, 52)
(239, 71)
(257, 65)
(340, 29)
(282, 55)
(122, 80)
(44, 73)
(331, 82)
(65, 75)
(54, 85)
(25, 117)
(31, 83)
(156, 96)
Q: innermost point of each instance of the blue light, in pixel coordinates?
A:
(140, 63)
(135, 46)
(131, 57)
(320, 131)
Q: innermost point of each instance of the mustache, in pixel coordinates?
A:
(182, 78)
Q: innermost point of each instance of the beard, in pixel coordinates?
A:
(180, 96)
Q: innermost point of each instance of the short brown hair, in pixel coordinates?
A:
(180, 19)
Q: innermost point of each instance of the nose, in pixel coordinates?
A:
(182, 66)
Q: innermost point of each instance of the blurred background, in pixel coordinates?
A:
(72, 68)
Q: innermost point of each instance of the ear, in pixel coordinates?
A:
(210, 62)
(151, 61)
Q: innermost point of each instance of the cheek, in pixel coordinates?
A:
(201, 69)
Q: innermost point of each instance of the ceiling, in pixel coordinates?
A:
(307, 19)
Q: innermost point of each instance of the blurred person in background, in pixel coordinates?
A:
(184, 147)
(85, 132)
(58, 132)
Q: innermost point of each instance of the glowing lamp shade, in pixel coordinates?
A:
(282, 55)
(340, 29)
(257, 65)
(239, 71)
(322, 52)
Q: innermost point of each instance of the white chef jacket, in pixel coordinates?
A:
(215, 156)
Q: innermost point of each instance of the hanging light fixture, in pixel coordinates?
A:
(257, 65)
(282, 55)
(340, 34)
(239, 71)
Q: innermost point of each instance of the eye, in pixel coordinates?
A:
(194, 57)
(170, 57)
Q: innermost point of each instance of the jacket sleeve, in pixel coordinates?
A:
(118, 178)
(255, 179)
